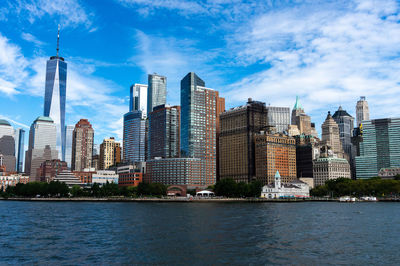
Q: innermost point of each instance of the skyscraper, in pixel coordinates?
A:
(69, 130)
(134, 137)
(82, 145)
(164, 132)
(301, 119)
(110, 153)
(42, 145)
(55, 96)
(7, 145)
(156, 92)
(20, 149)
(279, 117)
(362, 110)
(138, 99)
(346, 126)
(331, 136)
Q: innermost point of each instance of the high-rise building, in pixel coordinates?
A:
(346, 126)
(82, 145)
(275, 152)
(55, 96)
(362, 110)
(134, 137)
(138, 99)
(69, 130)
(307, 150)
(7, 145)
(20, 149)
(199, 118)
(279, 117)
(301, 119)
(156, 92)
(236, 141)
(110, 153)
(380, 147)
(164, 132)
(331, 136)
(42, 145)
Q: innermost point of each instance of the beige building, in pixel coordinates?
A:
(82, 145)
(301, 120)
(327, 168)
(331, 136)
(362, 110)
(110, 153)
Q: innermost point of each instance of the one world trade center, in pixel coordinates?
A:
(55, 94)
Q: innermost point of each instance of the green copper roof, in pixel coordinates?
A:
(4, 122)
(297, 104)
(277, 174)
(44, 118)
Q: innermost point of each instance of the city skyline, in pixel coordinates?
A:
(99, 76)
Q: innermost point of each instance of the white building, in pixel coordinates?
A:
(295, 189)
(12, 180)
(327, 168)
(101, 177)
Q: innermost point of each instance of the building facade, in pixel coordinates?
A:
(307, 150)
(236, 141)
(275, 152)
(278, 189)
(20, 149)
(134, 137)
(7, 145)
(327, 168)
(362, 110)
(346, 126)
(50, 168)
(82, 145)
(279, 117)
(138, 99)
(110, 153)
(301, 119)
(380, 147)
(164, 132)
(69, 130)
(104, 176)
(156, 91)
(331, 136)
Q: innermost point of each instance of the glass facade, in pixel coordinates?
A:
(156, 92)
(67, 156)
(134, 137)
(346, 125)
(279, 117)
(55, 97)
(20, 149)
(138, 99)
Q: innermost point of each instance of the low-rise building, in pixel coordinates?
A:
(389, 173)
(294, 189)
(86, 175)
(104, 176)
(327, 168)
(50, 168)
(68, 178)
(131, 175)
(12, 180)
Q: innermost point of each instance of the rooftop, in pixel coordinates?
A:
(4, 123)
(44, 118)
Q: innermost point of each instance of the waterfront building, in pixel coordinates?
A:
(55, 96)
(104, 176)
(85, 176)
(307, 150)
(50, 168)
(69, 130)
(164, 132)
(20, 149)
(134, 137)
(280, 189)
(279, 117)
(138, 99)
(68, 178)
(301, 119)
(236, 141)
(12, 180)
(175, 171)
(82, 145)
(380, 147)
(331, 136)
(42, 145)
(156, 91)
(131, 175)
(346, 126)
(110, 153)
(7, 145)
(199, 119)
(362, 110)
(274, 152)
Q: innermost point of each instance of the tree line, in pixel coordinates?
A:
(231, 189)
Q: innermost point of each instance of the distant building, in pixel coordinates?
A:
(50, 168)
(138, 99)
(104, 176)
(110, 153)
(391, 172)
(380, 147)
(42, 146)
(85, 176)
(7, 145)
(279, 117)
(275, 152)
(67, 157)
(278, 189)
(82, 145)
(20, 149)
(362, 110)
(156, 91)
(68, 178)
(130, 175)
(134, 138)
(346, 126)
(236, 141)
(96, 161)
(301, 119)
(331, 136)
(12, 180)
(164, 132)
(307, 150)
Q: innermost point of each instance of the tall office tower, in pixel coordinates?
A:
(156, 91)
(138, 99)
(164, 132)
(301, 119)
(96, 149)
(7, 145)
(362, 110)
(110, 153)
(82, 145)
(69, 130)
(55, 96)
(20, 149)
(199, 120)
(307, 150)
(279, 117)
(220, 108)
(134, 138)
(236, 141)
(331, 136)
(380, 147)
(42, 145)
(275, 152)
(346, 126)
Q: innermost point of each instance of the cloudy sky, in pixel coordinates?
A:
(328, 53)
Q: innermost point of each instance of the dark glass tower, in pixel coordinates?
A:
(55, 96)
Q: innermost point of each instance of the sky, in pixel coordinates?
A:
(327, 53)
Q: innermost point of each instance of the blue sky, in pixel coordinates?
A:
(328, 53)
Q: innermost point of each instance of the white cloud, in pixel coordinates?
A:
(13, 121)
(31, 38)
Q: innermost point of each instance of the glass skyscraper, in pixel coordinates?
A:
(279, 117)
(138, 99)
(156, 92)
(380, 147)
(20, 149)
(55, 96)
(69, 130)
(134, 137)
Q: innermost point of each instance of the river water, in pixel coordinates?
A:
(306, 233)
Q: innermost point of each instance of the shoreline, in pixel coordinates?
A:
(182, 200)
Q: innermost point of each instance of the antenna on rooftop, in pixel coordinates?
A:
(58, 39)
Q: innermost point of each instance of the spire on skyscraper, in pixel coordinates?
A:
(58, 39)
